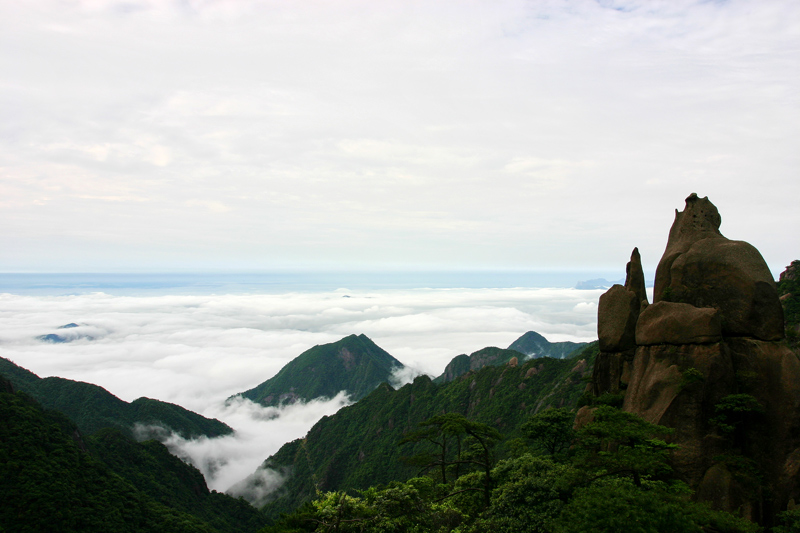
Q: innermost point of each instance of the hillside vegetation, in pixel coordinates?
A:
(357, 447)
(93, 408)
(51, 480)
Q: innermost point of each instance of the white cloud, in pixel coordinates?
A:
(481, 133)
(233, 462)
(196, 350)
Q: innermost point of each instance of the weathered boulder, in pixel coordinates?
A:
(732, 276)
(617, 312)
(702, 268)
(676, 323)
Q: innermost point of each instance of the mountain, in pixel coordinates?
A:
(354, 364)
(535, 345)
(74, 332)
(591, 284)
(531, 345)
(357, 447)
(52, 479)
(92, 407)
(489, 356)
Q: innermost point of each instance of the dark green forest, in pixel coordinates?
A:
(610, 476)
(52, 479)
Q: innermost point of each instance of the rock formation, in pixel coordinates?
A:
(707, 359)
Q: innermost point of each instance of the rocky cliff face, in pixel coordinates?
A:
(707, 359)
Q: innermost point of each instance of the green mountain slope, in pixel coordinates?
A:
(490, 356)
(49, 482)
(152, 469)
(535, 345)
(93, 408)
(355, 364)
(357, 447)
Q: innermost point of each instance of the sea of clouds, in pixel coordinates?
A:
(198, 350)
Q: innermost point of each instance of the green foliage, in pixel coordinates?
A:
(551, 430)
(789, 291)
(531, 494)
(49, 483)
(355, 364)
(617, 505)
(690, 376)
(474, 446)
(621, 443)
(357, 447)
(735, 410)
(789, 521)
(609, 399)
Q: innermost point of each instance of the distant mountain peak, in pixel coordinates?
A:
(534, 345)
(354, 364)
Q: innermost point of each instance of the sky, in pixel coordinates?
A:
(152, 136)
(197, 350)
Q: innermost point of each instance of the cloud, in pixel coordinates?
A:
(233, 463)
(403, 375)
(446, 134)
(260, 487)
(196, 350)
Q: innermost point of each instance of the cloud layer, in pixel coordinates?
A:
(231, 135)
(197, 350)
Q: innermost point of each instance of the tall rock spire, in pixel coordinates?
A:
(710, 339)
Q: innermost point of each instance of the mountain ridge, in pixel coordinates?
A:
(93, 408)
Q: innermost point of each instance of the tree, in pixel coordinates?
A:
(458, 442)
(551, 430)
(618, 443)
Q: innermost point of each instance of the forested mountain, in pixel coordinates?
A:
(358, 446)
(534, 345)
(531, 345)
(354, 364)
(51, 479)
(489, 356)
(93, 408)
